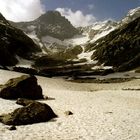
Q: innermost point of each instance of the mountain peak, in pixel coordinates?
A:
(49, 14)
(51, 23)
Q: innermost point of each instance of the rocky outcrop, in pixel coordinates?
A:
(34, 112)
(22, 87)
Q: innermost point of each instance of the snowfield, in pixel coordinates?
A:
(100, 111)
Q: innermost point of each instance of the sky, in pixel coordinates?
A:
(79, 12)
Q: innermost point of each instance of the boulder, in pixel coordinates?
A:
(34, 112)
(22, 87)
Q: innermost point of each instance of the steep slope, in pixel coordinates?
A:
(13, 43)
(121, 48)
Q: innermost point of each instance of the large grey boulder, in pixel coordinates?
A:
(22, 87)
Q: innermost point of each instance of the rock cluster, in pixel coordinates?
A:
(32, 111)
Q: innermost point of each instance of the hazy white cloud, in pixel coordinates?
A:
(91, 6)
(21, 10)
(77, 18)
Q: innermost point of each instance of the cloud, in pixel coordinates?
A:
(21, 10)
(77, 18)
(91, 6)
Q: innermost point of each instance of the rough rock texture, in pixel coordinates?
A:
(22, 87)
(33, 113)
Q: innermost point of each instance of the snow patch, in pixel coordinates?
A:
(24, 63)
(101, 67)
(102, 34)
(87, 56)
(78, 39)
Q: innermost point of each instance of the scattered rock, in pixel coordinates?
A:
(67, 113)
(22, 87)
(110, 112)
(32, 113)
(12, 128)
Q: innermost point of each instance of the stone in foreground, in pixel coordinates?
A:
(22, 87)
(34, 112)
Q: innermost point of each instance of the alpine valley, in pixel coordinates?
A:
(52, 46)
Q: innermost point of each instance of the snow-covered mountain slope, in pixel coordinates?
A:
(99, 29)
(120, 48)
(131, 15)
(104, 29)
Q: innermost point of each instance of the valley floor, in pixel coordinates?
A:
(100, 111)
